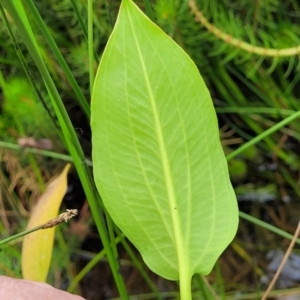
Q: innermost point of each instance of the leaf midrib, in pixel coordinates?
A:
(179, 241)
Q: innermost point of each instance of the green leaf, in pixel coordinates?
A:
(158, 162)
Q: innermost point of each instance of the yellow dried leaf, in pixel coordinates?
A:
(37, 246)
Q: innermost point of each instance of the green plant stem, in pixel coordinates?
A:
(111, 233)
(263, 135)
(220, 281)
(18, 235)
(185, 283)
(47, 153)
(91, 44)
(255, 110)
(267, 226)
